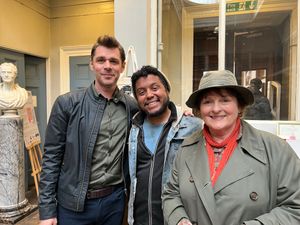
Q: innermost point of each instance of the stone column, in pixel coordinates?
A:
(13, 204)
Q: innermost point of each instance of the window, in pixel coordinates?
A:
(260, 42)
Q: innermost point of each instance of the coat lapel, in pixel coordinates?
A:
(236, 169)
(197, 163)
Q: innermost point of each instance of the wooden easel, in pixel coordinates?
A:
(32, 139)
(35, 156)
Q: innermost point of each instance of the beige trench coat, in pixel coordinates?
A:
(261, 182)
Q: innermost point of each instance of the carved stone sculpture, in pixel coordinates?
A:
(12, 96)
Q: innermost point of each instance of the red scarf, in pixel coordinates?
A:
(229, 143)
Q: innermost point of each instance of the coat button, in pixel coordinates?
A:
(191, 179)
(253, 196)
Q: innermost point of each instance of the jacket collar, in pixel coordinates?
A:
(249, 142)
(117, 95)
(253, 143)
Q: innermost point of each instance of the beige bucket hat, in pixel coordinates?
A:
(219, 79)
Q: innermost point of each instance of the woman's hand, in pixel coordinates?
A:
(184, 221)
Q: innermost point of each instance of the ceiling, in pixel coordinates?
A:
(189, 3)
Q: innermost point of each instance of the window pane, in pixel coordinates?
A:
(261, 43)
(258, 47)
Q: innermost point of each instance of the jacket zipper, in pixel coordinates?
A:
(128, 111)
(86, 157)
(150, 190)
(150, 179)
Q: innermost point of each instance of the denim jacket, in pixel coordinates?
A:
(180, 128)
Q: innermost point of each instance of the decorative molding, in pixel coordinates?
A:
(39, 6)
(82, 10)
(65, 53)
(64, 3)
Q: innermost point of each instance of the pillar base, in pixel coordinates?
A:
(13, 214)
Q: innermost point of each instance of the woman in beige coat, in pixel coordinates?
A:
(230, 173)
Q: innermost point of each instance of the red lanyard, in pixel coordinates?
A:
(230, 143)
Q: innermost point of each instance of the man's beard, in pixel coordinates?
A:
(162, 109)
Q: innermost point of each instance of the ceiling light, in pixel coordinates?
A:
(203, 1)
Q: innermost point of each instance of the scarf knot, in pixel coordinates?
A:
(229, 144)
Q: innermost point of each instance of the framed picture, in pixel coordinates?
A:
(289, 130)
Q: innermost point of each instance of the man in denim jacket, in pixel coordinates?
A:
(156, 134)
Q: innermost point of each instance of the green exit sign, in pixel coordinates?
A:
(241, 6)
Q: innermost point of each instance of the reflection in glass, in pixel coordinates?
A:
(260, 36)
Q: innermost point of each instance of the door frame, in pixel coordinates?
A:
(65, 53)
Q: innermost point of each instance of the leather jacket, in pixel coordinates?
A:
(70, 138)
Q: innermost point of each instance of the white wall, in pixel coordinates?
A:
(135, 25)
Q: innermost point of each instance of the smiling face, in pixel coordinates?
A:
(152, 96)
(219, 110)
(107, 66)
(8, 74)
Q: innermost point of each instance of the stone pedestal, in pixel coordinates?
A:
(13, 204)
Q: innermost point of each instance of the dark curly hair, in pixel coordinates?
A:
(144, 72)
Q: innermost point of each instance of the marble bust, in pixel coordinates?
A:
(12, 96)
